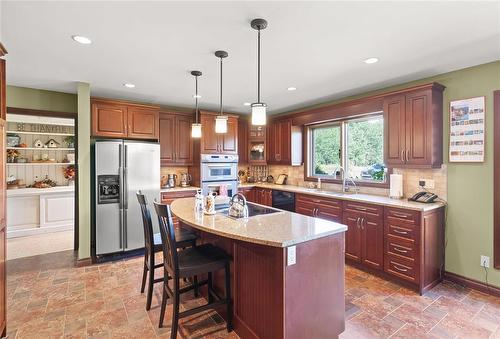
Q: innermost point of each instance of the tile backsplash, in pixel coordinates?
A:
(164, 171)
(410, 180)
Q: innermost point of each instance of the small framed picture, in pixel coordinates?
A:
(467, 128)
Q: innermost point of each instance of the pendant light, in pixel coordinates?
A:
(196, 127)
(221, 119)
(258, 108)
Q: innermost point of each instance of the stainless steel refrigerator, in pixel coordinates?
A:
(123, 167)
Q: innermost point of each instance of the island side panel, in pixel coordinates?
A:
(257, 286)
(314, 290)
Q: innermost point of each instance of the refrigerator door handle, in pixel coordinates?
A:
(125, 243)
(125, 183)
(121, 192)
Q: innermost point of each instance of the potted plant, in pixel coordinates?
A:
(70, 141)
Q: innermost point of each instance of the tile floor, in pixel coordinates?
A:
(48, 297)
(31, 245)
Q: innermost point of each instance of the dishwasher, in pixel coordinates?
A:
(284, 200)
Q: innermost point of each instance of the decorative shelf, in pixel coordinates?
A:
(38, 163)
(42, 133)
(42, 148)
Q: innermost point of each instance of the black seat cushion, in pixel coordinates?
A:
(201, 259)
(182, 237)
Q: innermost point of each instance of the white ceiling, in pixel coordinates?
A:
(318, 47)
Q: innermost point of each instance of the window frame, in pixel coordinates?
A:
(309, 154)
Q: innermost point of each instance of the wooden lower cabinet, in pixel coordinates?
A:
(352, 236)
(324, 208)
(248, 192)
(169, 197)
(365, 234)
(404, 244)
(263, 196)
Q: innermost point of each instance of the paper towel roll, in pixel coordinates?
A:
(396, 182)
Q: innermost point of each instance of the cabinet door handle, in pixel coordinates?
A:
(398, 267)
(407, 155)
(399, 215)
(362, 222)
(398, 249)
(402, 155)
(400, 232)
(357, 222)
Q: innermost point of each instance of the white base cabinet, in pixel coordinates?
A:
(36, 211)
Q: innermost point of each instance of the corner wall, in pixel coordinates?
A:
(84, 180)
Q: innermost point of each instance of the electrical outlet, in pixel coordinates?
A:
(427, 183)
(485, 261)
(291, 255)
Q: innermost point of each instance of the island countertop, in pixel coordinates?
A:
(280, 229)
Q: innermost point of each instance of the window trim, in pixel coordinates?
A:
(308, 161)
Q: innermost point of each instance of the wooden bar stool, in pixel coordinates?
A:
(153, 244)
(202, 259)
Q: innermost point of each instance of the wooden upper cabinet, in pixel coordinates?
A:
(243, 141)
(229, 140)
(394, 108)
(120, 119)
(176, 144)
(167, 138)
(184, 152)
(414, 128)
(142, 123)
(109, 120)
(211, 142)
(209, 139)
(3, 90)
(284, 143)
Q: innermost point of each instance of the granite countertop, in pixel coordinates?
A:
(358, 197)
(38, 191)
(280, 229)
(179, 189)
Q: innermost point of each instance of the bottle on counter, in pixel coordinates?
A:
(319, 184)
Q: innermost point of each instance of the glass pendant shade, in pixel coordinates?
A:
(259, 114)
(196, 130)
(221, 124)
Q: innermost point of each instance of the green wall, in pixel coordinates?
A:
(469, 228)
(84, 180)
(22, 97)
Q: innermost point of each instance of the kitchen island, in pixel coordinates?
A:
(287, 272)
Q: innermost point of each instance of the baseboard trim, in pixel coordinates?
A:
(472, 283)
(83, 262)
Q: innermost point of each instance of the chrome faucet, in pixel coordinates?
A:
(345, 180)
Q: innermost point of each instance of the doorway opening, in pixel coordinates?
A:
(42, 189)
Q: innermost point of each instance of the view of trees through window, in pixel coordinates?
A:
(365, 149)
(363, 143)
(327, 149)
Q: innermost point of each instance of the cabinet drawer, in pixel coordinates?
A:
(168, 197)
(305, 209)
(410, 233)
(402, 268)
(402, 216)
(369, 209)
(326, 202)
(401, 247)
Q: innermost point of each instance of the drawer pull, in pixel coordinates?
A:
(360, 208)
(399, 268)
(399, 215)
(398, 249)
(400, 232)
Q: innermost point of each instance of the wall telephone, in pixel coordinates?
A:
(426, 197)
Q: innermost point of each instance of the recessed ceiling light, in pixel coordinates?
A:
(292, 88)
(129, 85)
(81, 39)
(196, 96)
(371, 60)
(246, 103)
